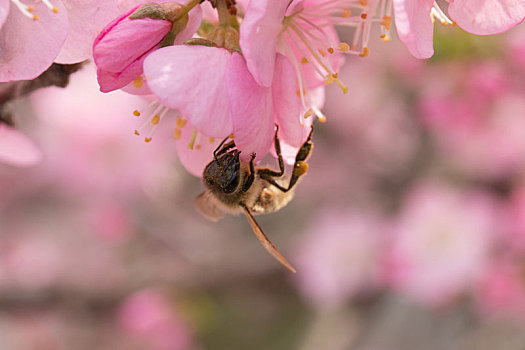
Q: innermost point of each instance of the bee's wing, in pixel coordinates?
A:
(267, 244)
(207, 207)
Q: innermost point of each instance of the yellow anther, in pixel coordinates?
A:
(55, 9)
(346, 13)
(177, 134)
(147, 139)
(211, 139)
(156, 119)
(308, 113)
(454, 24)
(365, 52)
(36, 16)
(231, 136)
(387, 39)
(322, 118)
(382, 36)
(364, 15)
(304, 60)
(363, 2)
(180, 122)
(30, 8)
(386, 20)
(137, 83)
(137, 133)
(198, 147)
(342, 46)
(136, 113)
(335, 75)
(330, 50)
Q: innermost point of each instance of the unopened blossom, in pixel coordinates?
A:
(17, 149)
(414, 19)
(34, 34)
(120, 49)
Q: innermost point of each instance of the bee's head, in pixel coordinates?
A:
(222, 173)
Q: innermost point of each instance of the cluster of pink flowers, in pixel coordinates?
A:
(242, 74)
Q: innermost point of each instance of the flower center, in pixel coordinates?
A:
(155, 112)
(29, 10)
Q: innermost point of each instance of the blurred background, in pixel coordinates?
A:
(407, 233)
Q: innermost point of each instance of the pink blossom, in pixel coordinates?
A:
(440, 242)
(34, 34)
(120, 49)
(100, 154)
(415, 28)
(17, 149)
(501, 290)
(339, 256)
(150, 317)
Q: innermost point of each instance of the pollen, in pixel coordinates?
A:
(364, 15)
(365, 53)
(322, 118)
(138, 83)
(136, 113)
(346, 13)
(180, 122)
(211, 139)
(330, 50)
(177, 133)
(308, 113)
(304, 60)
(147, 139)
(30, 8)
(36, 17)
(137, 133)
(363, 2)
(156, 119)
(342, 46)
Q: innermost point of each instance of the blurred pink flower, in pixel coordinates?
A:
(440, 242)
(100, 154)
(501, 291)
(17, 149)
(149, 316)
(34, 35)
(414, 19)
(120, 49)
(339, 257)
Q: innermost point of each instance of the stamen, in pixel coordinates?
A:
(26, 10)
(177, 134)
(346, 13)
(192, 140)
(436, 12)
(50, 6)
(365, 52)
(342, 46)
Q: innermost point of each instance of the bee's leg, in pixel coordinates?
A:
(300, 166)
(251, 177)
(269, 173)
(222, 148)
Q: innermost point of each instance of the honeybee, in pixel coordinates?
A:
(234, 186)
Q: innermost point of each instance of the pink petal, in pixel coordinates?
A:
(285, 101)
(194, 22)
(414, 26)
(17, 149)
(485, 17)
(4, 10)
(191, 79)
(86, 20)
(251, 109)
(260, 29)
(28, 47)
(196, 159)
